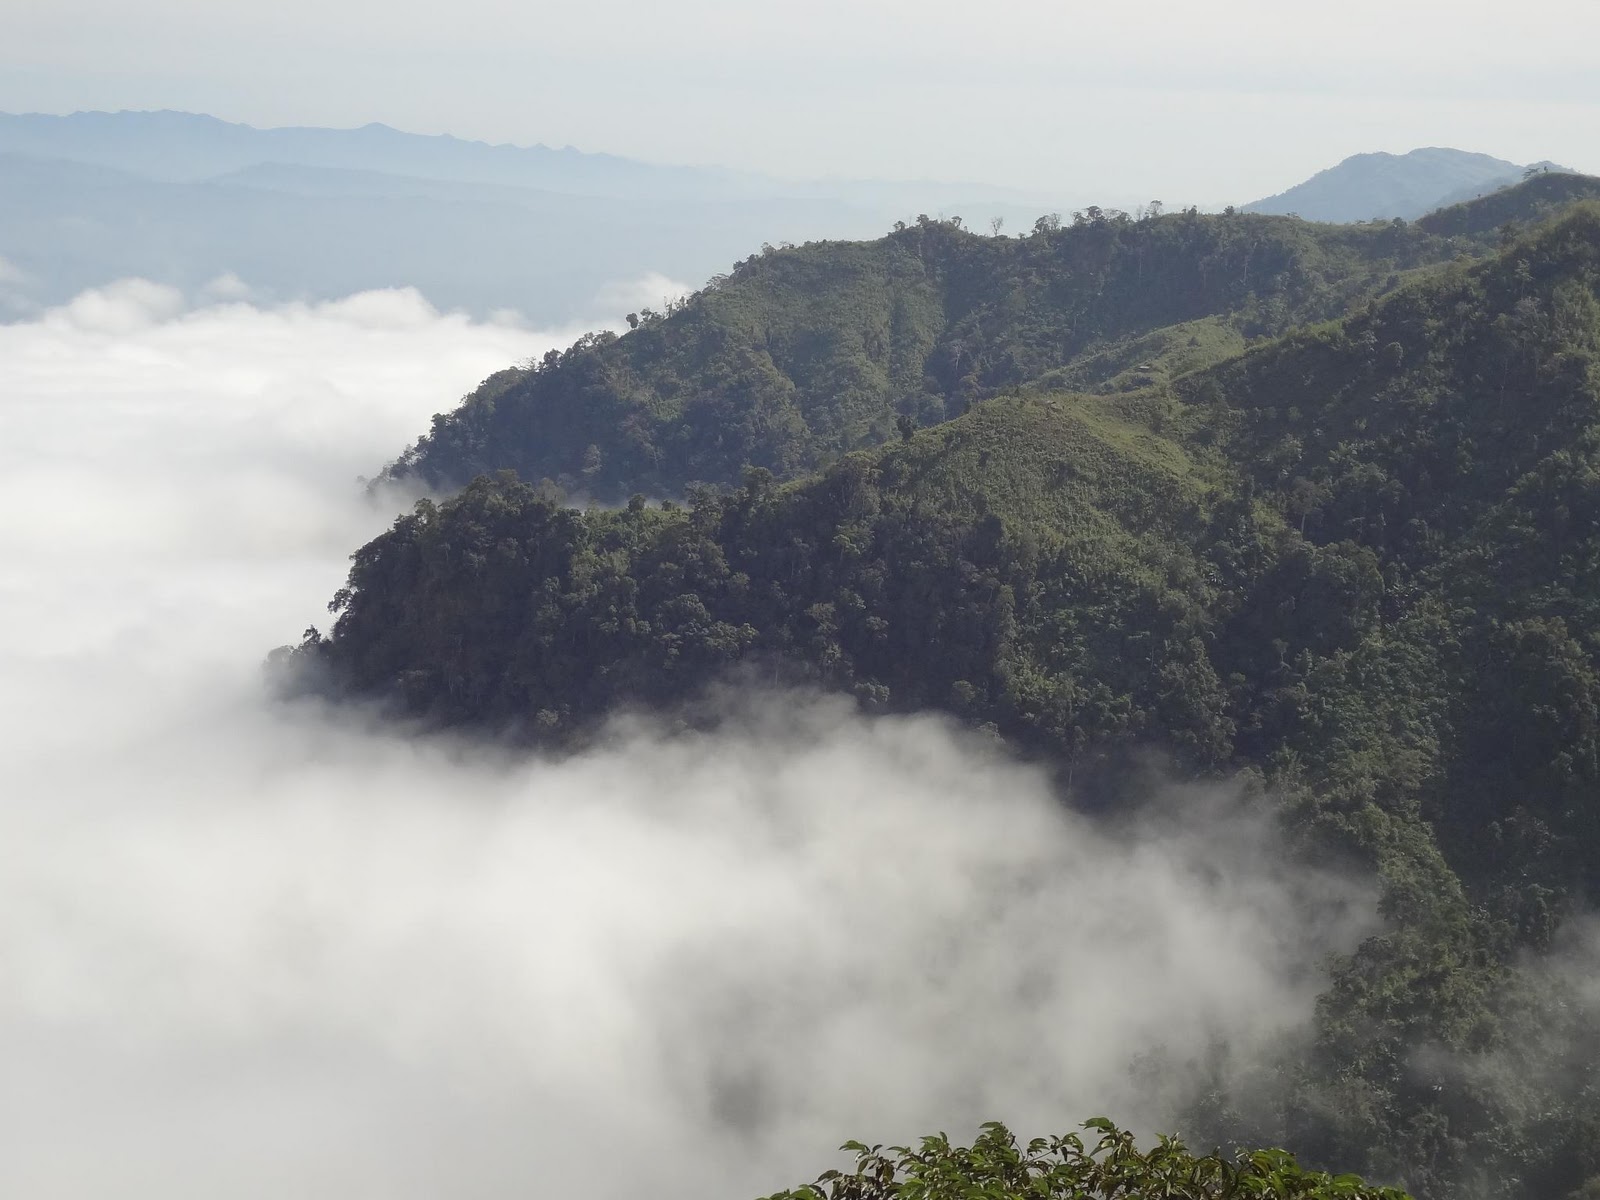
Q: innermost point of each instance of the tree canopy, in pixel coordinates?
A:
(1108, 1166)
(801, 355)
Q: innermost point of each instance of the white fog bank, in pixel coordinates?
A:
(260, 951)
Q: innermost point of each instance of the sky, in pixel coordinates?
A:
(1170, 99)
(253, 949)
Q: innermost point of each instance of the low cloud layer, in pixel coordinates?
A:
(249, 950)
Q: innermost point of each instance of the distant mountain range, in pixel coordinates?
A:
(184, 147)
(181, 147)
(1369, 186)
(313, 233)
(303, 212)
(310, 213)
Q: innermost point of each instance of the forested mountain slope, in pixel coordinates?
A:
(1099, 570)
(1362, 561)
(804, 354)
(1534, 200)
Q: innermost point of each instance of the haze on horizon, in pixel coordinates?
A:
(1178, 101)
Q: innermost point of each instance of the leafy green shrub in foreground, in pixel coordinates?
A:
(995, 1167)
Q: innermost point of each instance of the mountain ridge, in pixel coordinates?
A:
(142, 141)
(317, 214)
(925, 320)
(185, 147)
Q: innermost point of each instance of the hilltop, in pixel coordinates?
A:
(802, 354)
(1384, 186)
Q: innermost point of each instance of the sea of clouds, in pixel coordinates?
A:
(262, 950)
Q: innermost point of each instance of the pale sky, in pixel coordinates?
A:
(1185, 101)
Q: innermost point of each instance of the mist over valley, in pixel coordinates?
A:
(253, 948)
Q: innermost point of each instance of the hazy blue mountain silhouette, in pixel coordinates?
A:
(316, 234)
(302, 212)
(1380, 185)
(189, 147)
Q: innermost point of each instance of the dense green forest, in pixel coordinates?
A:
(1358, 562)
(802, 354)
(1537, 199)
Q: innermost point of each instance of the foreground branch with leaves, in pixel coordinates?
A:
(997, 1167)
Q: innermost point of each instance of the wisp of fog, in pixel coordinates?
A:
(250, 949)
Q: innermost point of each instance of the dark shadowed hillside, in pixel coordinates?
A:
(1538, 198)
